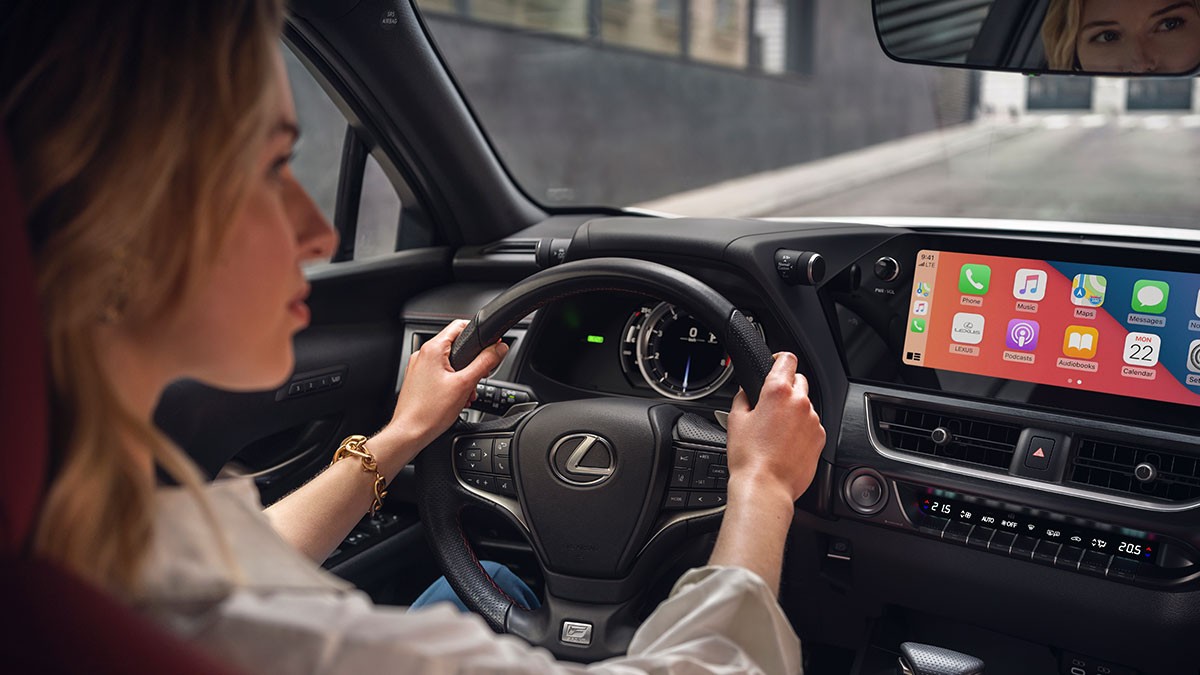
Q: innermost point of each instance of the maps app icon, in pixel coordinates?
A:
(1087, 290)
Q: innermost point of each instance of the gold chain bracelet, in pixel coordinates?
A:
(356, 446)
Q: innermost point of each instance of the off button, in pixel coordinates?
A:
(865, 492)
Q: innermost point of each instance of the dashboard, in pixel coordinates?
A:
(1011, 415)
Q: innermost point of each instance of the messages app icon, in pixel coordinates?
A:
(1150, 297)
(1087, 290)
(974, 279)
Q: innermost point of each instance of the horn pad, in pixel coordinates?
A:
(586, 473)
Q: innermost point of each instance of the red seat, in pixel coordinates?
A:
(52, 621)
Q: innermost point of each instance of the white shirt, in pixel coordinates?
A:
(281, 613)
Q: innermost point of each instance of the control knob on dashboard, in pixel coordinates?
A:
(799, 267)
(887, 269)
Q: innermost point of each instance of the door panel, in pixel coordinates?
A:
(284, 436)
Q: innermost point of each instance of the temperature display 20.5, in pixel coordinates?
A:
(1115, 543)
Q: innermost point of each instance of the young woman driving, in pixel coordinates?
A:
(152, 142)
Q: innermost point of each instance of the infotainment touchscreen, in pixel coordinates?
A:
(1113, 330)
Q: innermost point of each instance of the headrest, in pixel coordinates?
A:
(24, 402)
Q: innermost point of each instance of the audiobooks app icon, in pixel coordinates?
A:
(1080, 342)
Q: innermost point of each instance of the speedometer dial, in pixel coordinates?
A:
(679, 357)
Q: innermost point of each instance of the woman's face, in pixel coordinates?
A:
(1139, 36)
(235, 331)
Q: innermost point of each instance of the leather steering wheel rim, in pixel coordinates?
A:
(442, 497)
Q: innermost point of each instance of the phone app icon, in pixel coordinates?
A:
(1150, 297)
(917, 326)
(1197, 303)
(1193, 357)
(1080, 342)
(924, 289)
(1030, 285)
(1022, 335)
(974, 279)
(967, 328)
(921, 308)
(1087, 290)
(1142, 349)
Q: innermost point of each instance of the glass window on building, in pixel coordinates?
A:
(647, 25)
(718, 31)
(565, 17)
(781, 40)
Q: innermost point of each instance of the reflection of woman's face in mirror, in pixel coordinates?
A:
(1138, 36)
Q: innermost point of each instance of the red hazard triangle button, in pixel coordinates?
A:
(1038, 453)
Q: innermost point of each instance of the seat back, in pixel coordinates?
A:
(53, 622)
(23, 397)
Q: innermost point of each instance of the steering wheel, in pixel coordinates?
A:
(603, 488)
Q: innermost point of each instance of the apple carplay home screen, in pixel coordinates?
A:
(1113, 330)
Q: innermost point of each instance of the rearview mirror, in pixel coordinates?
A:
(1084, 37)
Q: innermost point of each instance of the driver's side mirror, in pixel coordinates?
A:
(1082, 37)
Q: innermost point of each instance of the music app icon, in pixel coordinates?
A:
(1030, 285)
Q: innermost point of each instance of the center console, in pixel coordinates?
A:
(1031, 398)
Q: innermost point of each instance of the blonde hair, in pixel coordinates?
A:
(1060, 30)
(134, 126)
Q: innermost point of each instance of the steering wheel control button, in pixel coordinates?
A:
(505, 486)
(676, 499)
(887, 269)
(865, 491)
(481, 467)
(718, 471)
(1038, 455)
(799, 267)
(473, 454)
(576, 633)
(683, 459)
(681, 478)
(706, 500)
(583, 459)
(501, 466)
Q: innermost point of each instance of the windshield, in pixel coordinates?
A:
(776, 108)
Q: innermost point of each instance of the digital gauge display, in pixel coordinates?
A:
(676, 355)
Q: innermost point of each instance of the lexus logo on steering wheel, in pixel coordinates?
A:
(583, 459)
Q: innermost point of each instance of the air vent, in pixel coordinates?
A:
(1174, 477)
(512, 247)
(946, 436)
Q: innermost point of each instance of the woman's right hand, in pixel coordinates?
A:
(778, 442)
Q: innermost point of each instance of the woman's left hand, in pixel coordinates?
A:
(433, 392)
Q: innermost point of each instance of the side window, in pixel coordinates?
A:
(377, 215)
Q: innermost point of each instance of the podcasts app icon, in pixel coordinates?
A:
(1022, 335)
